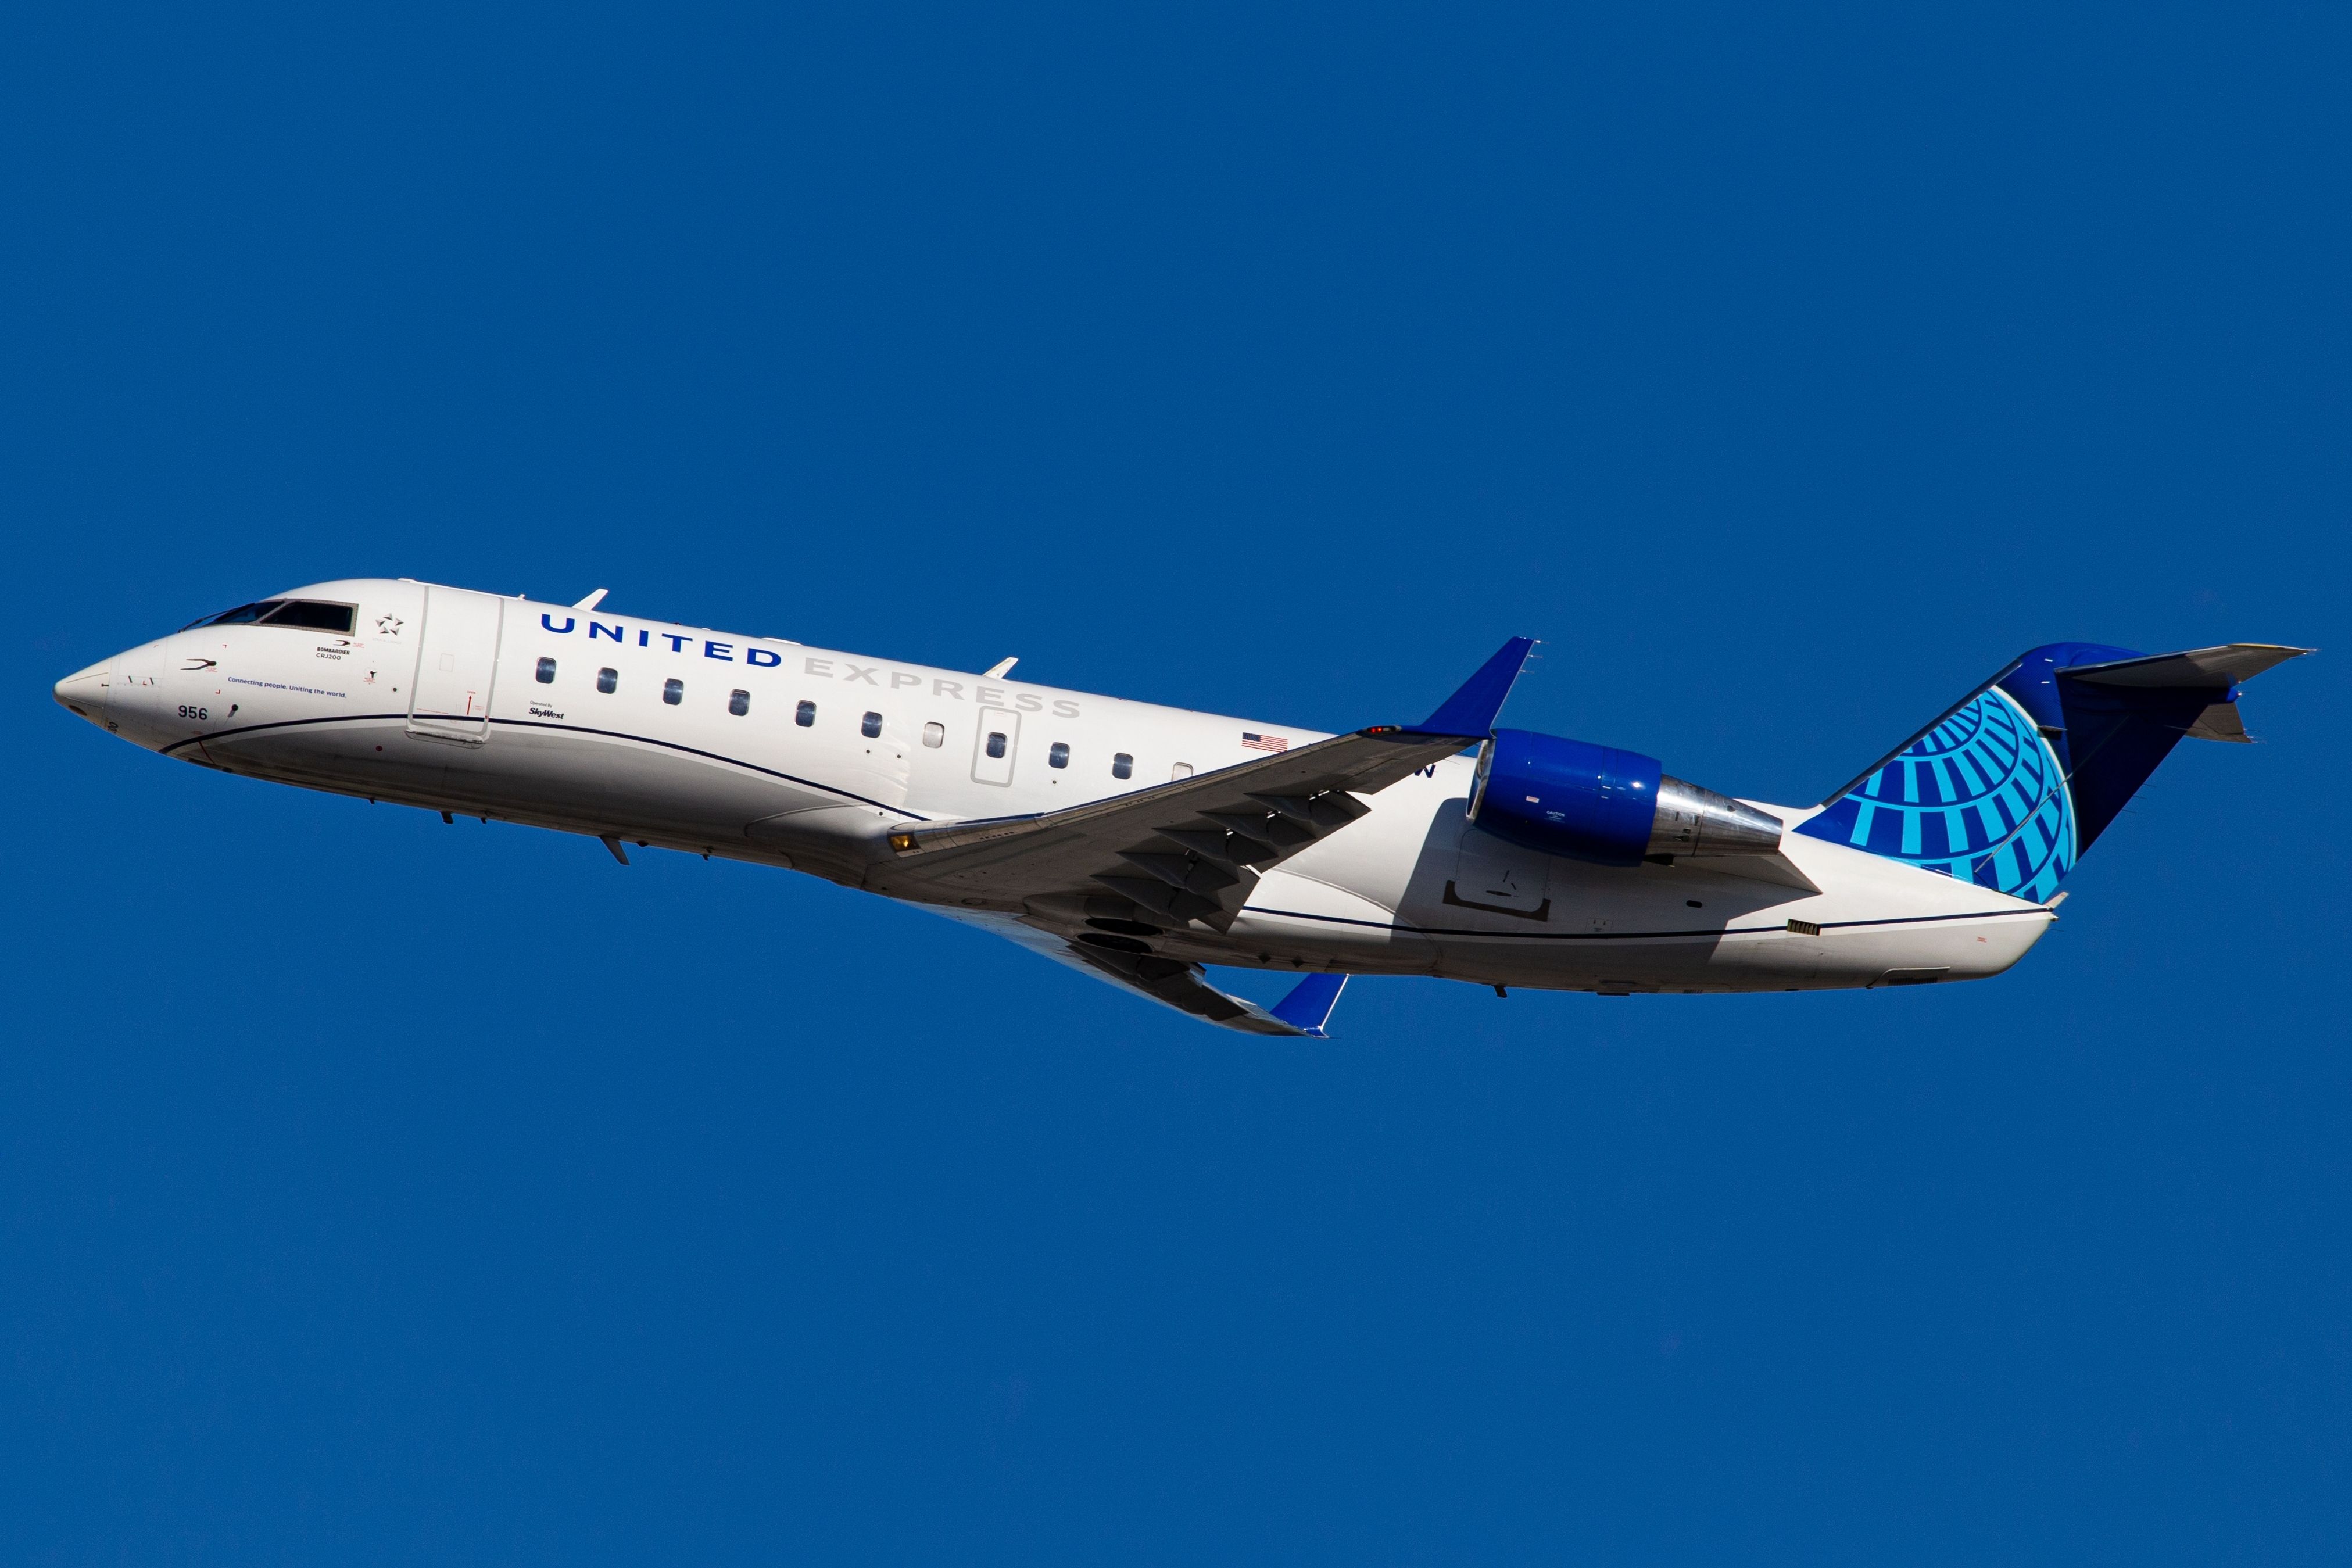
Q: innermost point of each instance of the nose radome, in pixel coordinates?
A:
(84, 691)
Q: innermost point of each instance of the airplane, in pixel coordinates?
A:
(1136, 843)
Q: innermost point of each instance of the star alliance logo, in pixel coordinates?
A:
(388, 624)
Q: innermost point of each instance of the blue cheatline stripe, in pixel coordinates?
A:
(1642, 935)
(539, 724)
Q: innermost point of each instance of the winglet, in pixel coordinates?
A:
(1309, 1006)
(1470, 712)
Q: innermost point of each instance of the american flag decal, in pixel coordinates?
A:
(1265, 742)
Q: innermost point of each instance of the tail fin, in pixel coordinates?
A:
(2012, 785)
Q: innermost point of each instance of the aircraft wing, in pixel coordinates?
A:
(1172, 984)
(1190, 849)
(1084, 886)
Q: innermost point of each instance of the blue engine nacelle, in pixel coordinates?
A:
(1609, 807)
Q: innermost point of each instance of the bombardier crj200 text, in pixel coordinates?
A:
(1139, 843)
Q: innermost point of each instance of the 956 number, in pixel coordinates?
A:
(188, 712)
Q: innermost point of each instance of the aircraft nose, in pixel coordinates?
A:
(84, 691)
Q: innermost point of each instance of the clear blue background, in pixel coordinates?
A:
(374, 1191)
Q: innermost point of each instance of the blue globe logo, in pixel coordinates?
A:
(1980, 797)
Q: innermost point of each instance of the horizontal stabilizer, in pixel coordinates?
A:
(2217, 668)
(2220, 721)
(2201, 684)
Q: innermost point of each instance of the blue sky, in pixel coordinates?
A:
(373, 1190)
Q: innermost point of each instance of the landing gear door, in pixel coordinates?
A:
(456, 662)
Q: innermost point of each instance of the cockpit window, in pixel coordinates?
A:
(243, 616)
(312, 615)
(307, 614)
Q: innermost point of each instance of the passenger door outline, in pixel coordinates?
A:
(988, 770)
(456, 666)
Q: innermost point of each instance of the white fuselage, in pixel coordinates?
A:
(829, 750)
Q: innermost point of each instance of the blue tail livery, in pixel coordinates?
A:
(2010, 786)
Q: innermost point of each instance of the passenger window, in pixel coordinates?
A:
(738, 703)
(996, 743)
(312, 615)
(1180, 770)
(804, 715)
(608, 680)
(1122, 766)
(673, 692)
(1057, 756)
(935, 735)
(870, 726)
(547, 672)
